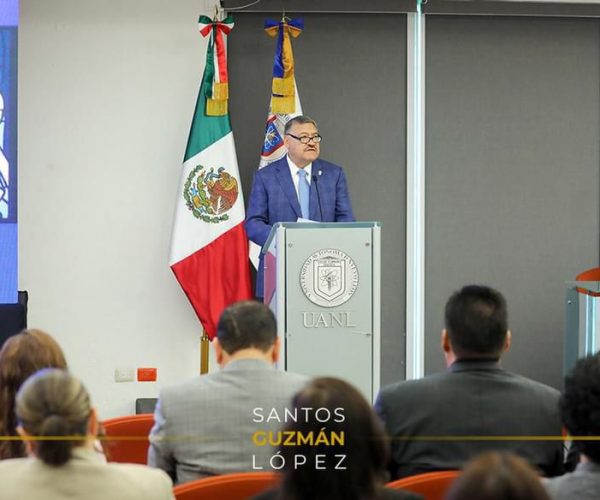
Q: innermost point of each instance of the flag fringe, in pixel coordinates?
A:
(220, 91)
(216, 107)
(283, 105)
(284, 86)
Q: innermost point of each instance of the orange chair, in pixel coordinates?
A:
(126, 438)
(432, 485)
(238, 486)
(589, 275)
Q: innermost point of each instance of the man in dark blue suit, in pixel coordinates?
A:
(299, 186)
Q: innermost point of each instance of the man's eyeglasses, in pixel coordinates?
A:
(305, 139)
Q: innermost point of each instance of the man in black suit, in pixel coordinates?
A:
(452, 413)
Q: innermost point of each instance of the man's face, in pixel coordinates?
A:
(302, 154)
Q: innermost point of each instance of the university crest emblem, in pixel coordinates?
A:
(209, 194)
(329, 277)
(273, 139)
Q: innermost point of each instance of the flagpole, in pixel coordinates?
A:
(204, 346)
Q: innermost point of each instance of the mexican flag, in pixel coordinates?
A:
(209, 247)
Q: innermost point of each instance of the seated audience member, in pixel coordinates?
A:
(205, 426)
(580, 410)
(354, 469)
(474, 397)
(53, 403)
(497, 476)
(21, 356)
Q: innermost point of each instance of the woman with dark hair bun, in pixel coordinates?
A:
(60, 427)
(333, 447)
(21, 356)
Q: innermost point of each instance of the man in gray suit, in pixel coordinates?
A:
(474, 399)
(208, 425)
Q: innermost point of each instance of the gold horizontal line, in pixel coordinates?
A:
(43, 438)
(396, 438)
(115, 438)
(494, 438)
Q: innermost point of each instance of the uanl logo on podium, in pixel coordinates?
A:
(329, 277)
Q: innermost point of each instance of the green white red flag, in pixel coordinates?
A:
(209, 247)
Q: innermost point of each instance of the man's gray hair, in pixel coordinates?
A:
(300, 120)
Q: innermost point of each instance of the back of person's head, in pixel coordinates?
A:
(247, 324)
(580, 405)
(477, 322)
(497, 476)
(21, 356)
(54, 403)
(352, 469)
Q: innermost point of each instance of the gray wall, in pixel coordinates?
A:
(105, 101)
(512, 125)
(512, 172)
(106, 95)
(351, 73)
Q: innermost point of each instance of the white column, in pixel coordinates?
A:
(415, 194)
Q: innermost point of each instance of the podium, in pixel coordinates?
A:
(322, 281)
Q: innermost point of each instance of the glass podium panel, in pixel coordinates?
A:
(582, 321)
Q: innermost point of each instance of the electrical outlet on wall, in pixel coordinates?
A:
(124, 374)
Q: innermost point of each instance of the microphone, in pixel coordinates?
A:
(317, 191)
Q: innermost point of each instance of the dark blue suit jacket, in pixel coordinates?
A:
(273, 199)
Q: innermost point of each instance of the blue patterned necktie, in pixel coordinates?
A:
(303, 193)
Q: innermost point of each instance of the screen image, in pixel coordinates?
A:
(8, 123)
(8, 151)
